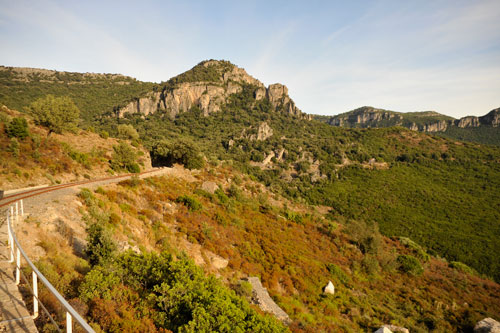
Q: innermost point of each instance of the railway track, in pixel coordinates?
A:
(12, 198)
(14, 316)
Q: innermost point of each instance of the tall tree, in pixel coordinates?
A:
(58, 114)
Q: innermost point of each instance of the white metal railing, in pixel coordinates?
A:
(16, 247)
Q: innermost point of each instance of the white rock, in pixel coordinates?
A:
(487, 325)
(329, 288)
(383, 329)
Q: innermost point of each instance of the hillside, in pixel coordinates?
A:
(302, 202)
(240, 230)
(36, 158)
(94, 94)
(483, 129)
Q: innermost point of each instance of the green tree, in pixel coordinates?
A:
(100, 246)
(17, 128)
(58, 114)
(127, 132)
(166, 153)
(124, 158)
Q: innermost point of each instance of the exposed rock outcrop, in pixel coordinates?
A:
(492, 118)
(487, 325)
(425, 121)
(383, 329)
(261, 297)
(145, 105)
(469, 121)
(439, 126)
(395, 328)
(209, 187)
(392, 329)
(329, 288)
(263, 132)
(366, 116)
(208, 87)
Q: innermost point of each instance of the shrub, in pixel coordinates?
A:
(124, 158)
(370, 265)
(17, 128)
(462, 267)
(243, 288)
(417, 249)
(100, 246)
(87, 196)
(366, 237)
(104, 134)
(338, 274)
(223, 198)
(127, 132)
(294, 217)
(14, 147)
(410, 264)
(191, 203)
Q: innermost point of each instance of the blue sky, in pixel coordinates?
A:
(334, 56)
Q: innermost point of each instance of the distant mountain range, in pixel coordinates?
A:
(483, 129)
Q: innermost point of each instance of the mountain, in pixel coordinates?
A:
(392, 216)
(94, 94)
(427, 121)
(208, 86)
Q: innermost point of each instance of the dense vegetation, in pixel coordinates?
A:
(431, 195)
(201, 73)
(146, 292)
(94, 94)
(29, 156)
(485, 134)
(57, 114)
(392, 118)
(294, 250)
(436, 191)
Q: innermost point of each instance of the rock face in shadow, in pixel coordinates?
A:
(209, 86)
(261, 297)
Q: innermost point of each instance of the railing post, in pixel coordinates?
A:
(35, 295)
(17, 212)
(69, 324)
(18, 266)
(11, 239)
(22, 207)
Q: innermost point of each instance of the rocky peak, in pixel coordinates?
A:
(492, 118)
(277, 94)
(208, 86)
(365, 116)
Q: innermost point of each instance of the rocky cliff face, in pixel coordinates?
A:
(492, 118)
(427, 121)
(469, 121)
(365, 117)
(208, 86)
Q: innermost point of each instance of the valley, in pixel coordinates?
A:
(398, 211)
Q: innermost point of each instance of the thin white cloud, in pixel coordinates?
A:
(71, 40)
(274, 47)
